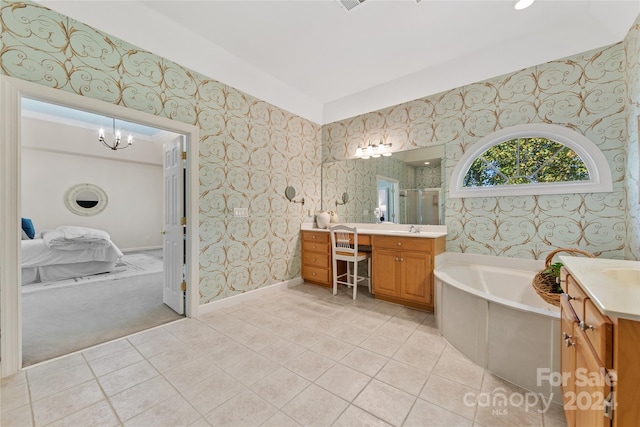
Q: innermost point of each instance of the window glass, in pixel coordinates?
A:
(526, 161)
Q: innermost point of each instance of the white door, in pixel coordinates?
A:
(172, 294)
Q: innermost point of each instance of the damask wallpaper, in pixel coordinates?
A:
(249, 150)
(632, 177)
(586, 92)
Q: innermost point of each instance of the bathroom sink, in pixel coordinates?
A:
(627, 276)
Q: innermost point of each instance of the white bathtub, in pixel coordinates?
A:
(487, 309)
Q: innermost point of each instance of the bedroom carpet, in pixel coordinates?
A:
(61, 320)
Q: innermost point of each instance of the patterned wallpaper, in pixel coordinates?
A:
(632, 177)
(249, 150)
(586, 92)
(428, 177)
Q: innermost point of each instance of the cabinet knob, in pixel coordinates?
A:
(566, 336)
(584, 326)
(401, 259)
(313, 237)
(396, 258)
(399, 243)
(315, 259)
(313, 274)
(569, 343)
(569, 297)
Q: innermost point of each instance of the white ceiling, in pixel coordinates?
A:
(314, 59)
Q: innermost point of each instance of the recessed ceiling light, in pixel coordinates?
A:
(523, 4)
(426, 163)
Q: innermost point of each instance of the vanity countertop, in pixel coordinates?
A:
(426, 231)
(612, 284)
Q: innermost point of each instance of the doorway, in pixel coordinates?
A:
(12, 91)
(388, 193)
(68, 305)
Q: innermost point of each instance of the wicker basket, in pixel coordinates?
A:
(545, 284)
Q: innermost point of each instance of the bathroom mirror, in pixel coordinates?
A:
(345, 199)
(359, 178)
(85, 199)
(290, 193)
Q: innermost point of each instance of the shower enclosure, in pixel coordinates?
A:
(420, 206)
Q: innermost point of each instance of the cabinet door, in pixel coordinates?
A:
(385, 271)
(591, 385)
(415, 282)
(568, 324)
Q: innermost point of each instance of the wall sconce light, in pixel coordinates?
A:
(290, 193)
(345, 199)
(117, 138)
(374, 150)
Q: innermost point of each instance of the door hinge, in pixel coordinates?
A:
(183, 154)
(183, 286)
(183, 220)
(608, 405)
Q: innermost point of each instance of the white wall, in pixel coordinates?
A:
(56, 157)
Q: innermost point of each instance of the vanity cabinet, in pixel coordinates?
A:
(599, 362)
(316, 257)
(402, 269)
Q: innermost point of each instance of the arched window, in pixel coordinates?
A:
(531, 159)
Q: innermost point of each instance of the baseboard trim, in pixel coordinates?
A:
(140, 249)
(247, 296)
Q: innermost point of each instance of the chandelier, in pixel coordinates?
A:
(115, 144)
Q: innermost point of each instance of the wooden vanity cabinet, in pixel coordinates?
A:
(402, 269)
(600, 362)
(316, 258)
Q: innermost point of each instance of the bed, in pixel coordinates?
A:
(67, 252)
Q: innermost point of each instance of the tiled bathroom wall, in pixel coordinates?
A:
(250, 151)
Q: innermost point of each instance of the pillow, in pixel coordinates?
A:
(28, 228)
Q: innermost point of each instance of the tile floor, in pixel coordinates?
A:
(298, 357)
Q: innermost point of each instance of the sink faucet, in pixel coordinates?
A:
(414, 229)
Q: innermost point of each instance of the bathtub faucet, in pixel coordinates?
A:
(414, 229)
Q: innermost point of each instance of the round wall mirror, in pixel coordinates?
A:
(85, 199)
(290, 193)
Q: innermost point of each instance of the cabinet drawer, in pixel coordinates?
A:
(403, 243)
(599, 330)
(314, 259)
(315, 247)
(577, 297)
(319, 237)
(315, 274)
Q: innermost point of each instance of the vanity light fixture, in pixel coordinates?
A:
(523, 4)
(374, 150)
(115, 145)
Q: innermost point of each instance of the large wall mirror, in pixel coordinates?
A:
(404, 188)
(86, 199)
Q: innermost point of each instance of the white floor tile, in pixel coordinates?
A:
(301, 358)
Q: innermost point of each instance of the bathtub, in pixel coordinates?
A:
(486, 308)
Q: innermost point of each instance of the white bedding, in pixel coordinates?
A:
(35, 253)
(70, 238)
(83, 254)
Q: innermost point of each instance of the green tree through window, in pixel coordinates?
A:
(526, 161)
